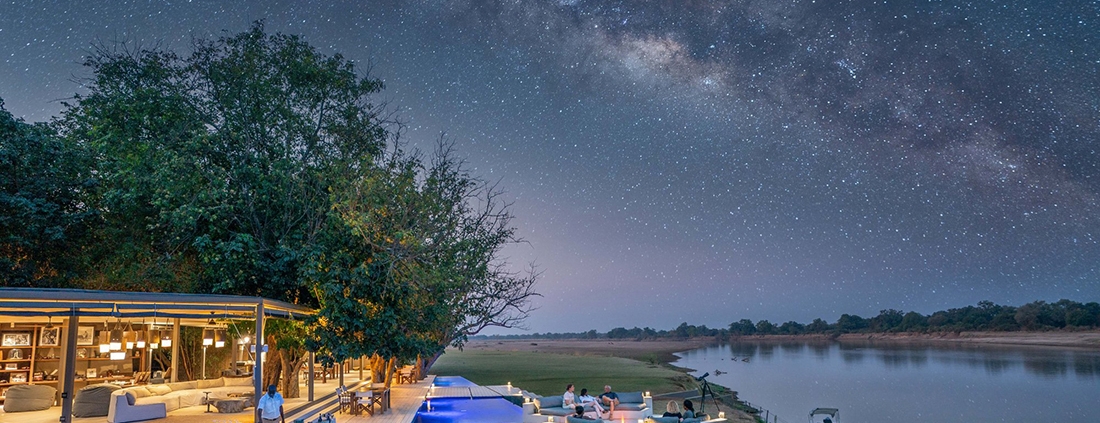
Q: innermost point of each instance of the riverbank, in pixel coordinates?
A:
(1082, 339)
(546, 366)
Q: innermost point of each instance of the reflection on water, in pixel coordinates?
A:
(877, 381)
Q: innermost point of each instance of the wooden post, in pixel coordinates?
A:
(175, 350)
(311, 378)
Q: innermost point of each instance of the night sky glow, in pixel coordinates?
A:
(707, 161)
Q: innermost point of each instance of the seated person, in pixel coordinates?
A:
(567, 399)
(689, 409)
(610, 399)
(586, 400)
(580, 413)
(672, 410)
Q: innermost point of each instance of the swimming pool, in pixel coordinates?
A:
(449, 381)
(464, 409)
(468, 410)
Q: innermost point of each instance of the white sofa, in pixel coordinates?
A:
(175, 395)
(122, 411)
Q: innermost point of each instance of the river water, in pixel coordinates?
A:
(883, 382)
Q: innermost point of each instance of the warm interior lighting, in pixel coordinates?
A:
(139, 338)
(207, 337)
(128, 335)
(154, 339)
(118, 355)
(166, 338)
(104, 341)
(219, 338)
(115, 342)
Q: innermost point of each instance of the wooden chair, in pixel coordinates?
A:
(345, 399)
(365, 401)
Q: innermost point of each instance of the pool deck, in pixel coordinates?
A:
(404, 401)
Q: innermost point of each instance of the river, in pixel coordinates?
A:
(891, 382)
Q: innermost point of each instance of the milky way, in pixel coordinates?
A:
(707, 161)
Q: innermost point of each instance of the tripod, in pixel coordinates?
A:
(704, 388)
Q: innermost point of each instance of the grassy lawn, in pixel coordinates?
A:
(548, 373)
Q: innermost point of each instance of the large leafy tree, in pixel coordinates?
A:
(258, 166)
(43, 220)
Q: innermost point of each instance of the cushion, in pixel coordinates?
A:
(656, 419)
(237, 381)
(692, 420)
(210, 383)
(93, 400)
(158, 389)
(634, 397)
(29, 398)
(179, 386)
(549, 402)
(571, 419)
(139, 391)
(130, 398)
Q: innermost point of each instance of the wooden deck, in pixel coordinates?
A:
(404, 401)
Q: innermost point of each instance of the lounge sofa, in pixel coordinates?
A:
(176, 395)
(124, 409)
(632, 405)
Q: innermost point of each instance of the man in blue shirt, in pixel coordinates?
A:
(271, 407)
(609, 398)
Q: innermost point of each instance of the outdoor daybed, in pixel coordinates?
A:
(632, 405)
(173, 396)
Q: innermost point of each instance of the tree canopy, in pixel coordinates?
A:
(257, 165)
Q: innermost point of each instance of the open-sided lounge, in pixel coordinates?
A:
(56, 341)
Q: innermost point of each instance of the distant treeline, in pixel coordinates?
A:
(986, 316)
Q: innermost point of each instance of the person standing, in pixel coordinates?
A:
(270, 407)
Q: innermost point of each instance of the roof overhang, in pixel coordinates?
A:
(37, 304)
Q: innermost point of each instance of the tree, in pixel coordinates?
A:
(43, 220)
(414, 268)
(848, 323)
(258, 166)
(887, 320)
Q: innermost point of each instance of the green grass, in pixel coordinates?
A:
(548, 373)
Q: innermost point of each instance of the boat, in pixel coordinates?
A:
(831, 415)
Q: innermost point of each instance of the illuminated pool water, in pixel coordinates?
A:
(464, 409)
(449, 381)
(467, 410)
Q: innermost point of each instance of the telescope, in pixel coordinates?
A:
(704, 376)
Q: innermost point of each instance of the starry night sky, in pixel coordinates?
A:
(707, 161)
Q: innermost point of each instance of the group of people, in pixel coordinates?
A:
(604, 403)
(672, 410)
